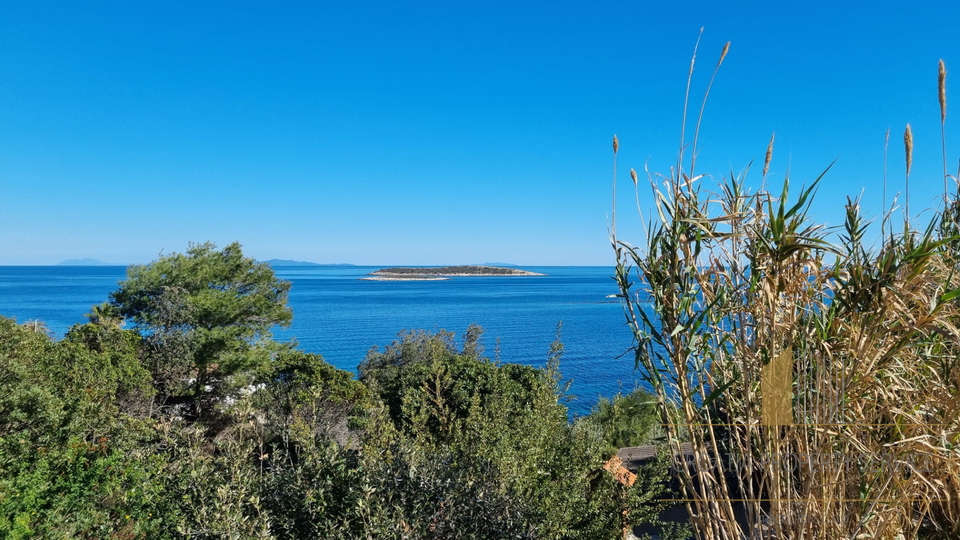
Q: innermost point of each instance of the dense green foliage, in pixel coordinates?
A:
(195, 424)
(71, 429)
(492, 444)
(207, 315)
(627, 420)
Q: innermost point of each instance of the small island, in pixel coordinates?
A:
(444, 272)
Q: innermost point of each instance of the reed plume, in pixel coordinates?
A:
(942, 87)
(908, 149)
(766, 160)
(942, 94)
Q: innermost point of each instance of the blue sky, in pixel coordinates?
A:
(437, 132)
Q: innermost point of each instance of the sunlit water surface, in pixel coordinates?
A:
(342, 317)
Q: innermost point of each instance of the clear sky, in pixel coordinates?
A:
(437, 132)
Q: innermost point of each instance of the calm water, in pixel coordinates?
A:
(337, 315)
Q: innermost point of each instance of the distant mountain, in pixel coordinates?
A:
(288, 262)
(84, 262)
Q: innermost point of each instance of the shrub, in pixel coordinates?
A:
(488, 448)
(73, 463)
(626, 420)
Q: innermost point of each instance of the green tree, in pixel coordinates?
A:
(206, 316)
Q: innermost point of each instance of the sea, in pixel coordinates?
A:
(342, 317)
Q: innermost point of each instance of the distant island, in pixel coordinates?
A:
(288, 262)
(444, 272)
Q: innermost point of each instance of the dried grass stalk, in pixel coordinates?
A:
(942, 94)
(908, 151)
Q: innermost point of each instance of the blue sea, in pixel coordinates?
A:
(341, 317)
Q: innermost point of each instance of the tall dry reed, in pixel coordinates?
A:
(738, 302)
(908, 153)
(942, 97)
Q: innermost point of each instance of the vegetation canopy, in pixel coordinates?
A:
(196, 424)
(207, 314)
